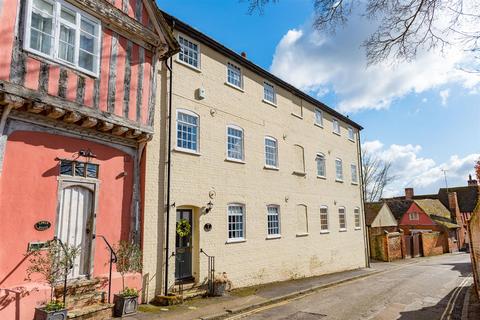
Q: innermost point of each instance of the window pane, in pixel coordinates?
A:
(66, 168)
(86, 60)
(339, 169)
(92, 170)
(88, 27)
(234, 143)
(67, 43)
(67, 15)
(271, 152)
(235, 222)
(43, 6)
(41, 31)
(323, 219)
(269, 92)
(188, 52)
(273, 223)
(80, 169)
(187, 131)
(318, 117)
(321, 166)
(234, 75)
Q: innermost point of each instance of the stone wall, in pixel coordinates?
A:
(474, 234)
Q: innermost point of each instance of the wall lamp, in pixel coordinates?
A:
(209, 207)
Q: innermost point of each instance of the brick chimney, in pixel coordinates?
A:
(408, 193)
(456, 216)
(244, 54)
(472, 182)
(452, 201)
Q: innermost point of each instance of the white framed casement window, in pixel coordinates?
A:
(189, 52)
(234, 76)
(269, 94)
(338, 170)
(273, 220)
(187, 130)
(353, 169)
(318, 117)
(321, 165)
(236, 222)
(323, 219)
(61, 32)
(413, 216)
(271, 152)
(351, 134)
(235, 143)
(342, 219)
(336, 126)
(356, 213)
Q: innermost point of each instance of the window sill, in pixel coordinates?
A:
(188, 65)
(355, 183)
(342, 230)
(324, 231)
(297, 116)
(234, 86)
(239, 240)
(270, 103)
(187, 151)
(273, 236)
(339, 180)
(299, 173)
(358, 228)
(337, 133)
(301, 235)
(270, 168)
(353, 140)
(322, 177)
(318, 125)
(235, 160)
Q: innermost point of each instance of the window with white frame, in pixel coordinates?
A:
(353, 169)
(318, 117)
(187, 130)
(342, 219)
(351, 134)
(323, 218)
(234, 75)
(413, 216)
(234, 143)
(338, 169)
(302, 220)
(336, 126)
(321, 167)
(61, 32)
(271, 152)
(236, 221)
(273, 220)
(189, 52)
(356, 213)
(269, 93)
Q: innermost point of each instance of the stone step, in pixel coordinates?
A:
(78, 287)
(85, 299)
(93, 312)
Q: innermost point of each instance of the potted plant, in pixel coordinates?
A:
(129, 259)
(221, 284)
(53, 263)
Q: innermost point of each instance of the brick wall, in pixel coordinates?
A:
(474, 233)
(432, 244)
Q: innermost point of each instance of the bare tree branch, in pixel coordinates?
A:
(376, 175)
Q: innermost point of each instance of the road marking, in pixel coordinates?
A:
(453, 298)
(286, 301)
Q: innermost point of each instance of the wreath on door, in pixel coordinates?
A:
(183, 228)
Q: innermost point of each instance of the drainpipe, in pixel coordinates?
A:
(169, 169)
(363, 190)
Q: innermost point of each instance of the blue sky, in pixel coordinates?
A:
(423, 116)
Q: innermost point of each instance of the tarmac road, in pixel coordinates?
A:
(432, 289)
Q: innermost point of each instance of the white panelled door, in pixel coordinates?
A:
(74, 225)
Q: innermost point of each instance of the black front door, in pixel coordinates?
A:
(183, 247)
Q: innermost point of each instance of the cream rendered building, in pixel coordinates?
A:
(267, 177)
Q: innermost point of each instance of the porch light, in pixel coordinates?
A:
(209, 207)
(86, 153)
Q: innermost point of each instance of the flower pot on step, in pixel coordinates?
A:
(124, 306)
(42, 314)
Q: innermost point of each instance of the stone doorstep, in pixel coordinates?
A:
(78, 286)
(94, 312)
(85, 299)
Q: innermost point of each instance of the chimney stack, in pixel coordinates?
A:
(452, 201)
(472, 182)
(408, 193)
(244, 54)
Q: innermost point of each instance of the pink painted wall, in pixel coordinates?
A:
(423, 218)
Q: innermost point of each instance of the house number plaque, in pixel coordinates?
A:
(42, 225)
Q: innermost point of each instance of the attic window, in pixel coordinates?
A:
(78, 169)
(413, 216)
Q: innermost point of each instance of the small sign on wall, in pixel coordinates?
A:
(42, 225)
(38, 245)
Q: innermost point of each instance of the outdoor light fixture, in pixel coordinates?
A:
(86, 153)
(209, 207)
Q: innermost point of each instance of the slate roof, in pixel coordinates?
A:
(437, 211)
(398, 207)
(371, 211)
(467, 197)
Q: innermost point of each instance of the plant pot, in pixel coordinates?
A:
(41, 314)
(219, 289)
(124, 306)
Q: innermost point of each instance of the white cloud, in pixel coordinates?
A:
(423, 174)
(424, 100)
(316, 62)
(444, 94)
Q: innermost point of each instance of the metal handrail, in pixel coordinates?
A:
(113, 259)
(67, 268)
(211, 272)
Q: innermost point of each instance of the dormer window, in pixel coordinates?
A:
(61, 32)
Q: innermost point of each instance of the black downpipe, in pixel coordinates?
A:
(169, 169)
(363, 190)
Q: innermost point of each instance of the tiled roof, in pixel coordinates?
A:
(437, 211)
(467, 197)
(398, 207)
(371, 211)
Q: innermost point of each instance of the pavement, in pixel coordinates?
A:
(246, 299)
